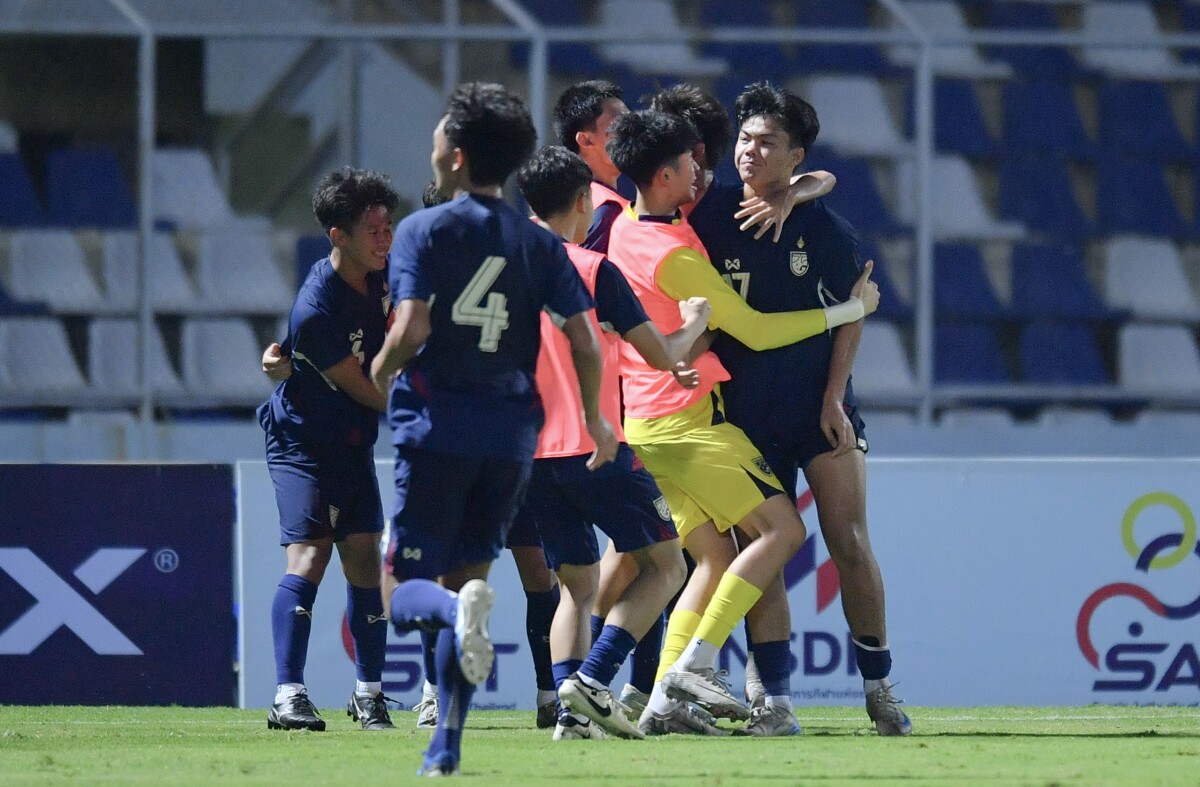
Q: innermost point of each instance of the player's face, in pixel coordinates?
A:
(613, 109)
(442, 161)
(368, 243)
(685, 182)
(764, 155)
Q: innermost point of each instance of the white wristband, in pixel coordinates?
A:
(841, 314)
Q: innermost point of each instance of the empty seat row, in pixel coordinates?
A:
(86, 188)
(235, 272)
(219, 359)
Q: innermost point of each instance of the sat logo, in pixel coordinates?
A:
(1129, 660)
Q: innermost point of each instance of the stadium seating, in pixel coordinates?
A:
(36, 359)
(957, 60)
(172, 288)
(1146, 276)
(10, 306)
(221, 358)
(970, 419)
(185, 189)
(1049, 281)
(309, 249)
(113, 352)
(9, 139)
(958, 124)
(1136, 119)
(1042, 117)
(891, 305)
(1132, 196)
(1130, 19)
(1158, 359)
(19, 205)
(957, 206)
(960, 283)
(967, 352)
(85, 188)
(1036, 189)
(765, 59)
(833, 58)
(572, 57)
(49, 266)
(631, 16)
(1029, 61)
(1075, 417)
(855, 119)
(236, 271)
(1054, 353)
(881, 368)
(855, 197)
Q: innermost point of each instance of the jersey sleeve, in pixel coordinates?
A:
(844, 257)
(565, 294)
(617, 307)
(602, 220)
(687, 273)
(319, 340)
(406, 263)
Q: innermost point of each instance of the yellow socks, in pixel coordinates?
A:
(680, 627)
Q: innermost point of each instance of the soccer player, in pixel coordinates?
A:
(321, 426)
(712, 476)
(797, 402)
(470, 279)
(622, 499)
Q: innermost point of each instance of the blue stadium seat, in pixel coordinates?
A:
(764, 59)
(85, 188)
(855, 197)
(960, 283)
(1043, 61)
(1050, 281)
(967, 352)
(1061, 353)
(858, 58)
(891, 305)
(958, 125)
(1041, 117)
(1136, 119)
(309, 249)
(19, 206)
(573, 57)
(11, 306)
(1189, 18)
(1132, 197)
(638, 86)
(1036, 190)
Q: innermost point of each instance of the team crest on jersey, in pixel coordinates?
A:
(664, 510)
(334, 512)
(799, 262)
(762, 465)
(800, 242)
(733, 265)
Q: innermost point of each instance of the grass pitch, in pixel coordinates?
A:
(1096, 745)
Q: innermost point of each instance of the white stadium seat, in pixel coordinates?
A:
(854, 116)
(630, 16)
(49, 266)
(113, 351)
(185, 189)
(1135, 20)
(957, 205)
(172, 287)
(1145, 275)
(958, 60)
(236, 271)
(881, 367)
(221, 358)
(36, 358)
(1158, 359)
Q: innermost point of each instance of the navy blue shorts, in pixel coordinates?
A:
(788, 457)
(566, 499)
(323, 491)
(451, 511)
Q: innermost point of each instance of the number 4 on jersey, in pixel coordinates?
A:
(471, 309)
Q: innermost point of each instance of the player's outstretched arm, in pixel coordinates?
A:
(276, 365)
(585, 356)
(404, 340)
(665, 352)
(347, 375)
(773, 210)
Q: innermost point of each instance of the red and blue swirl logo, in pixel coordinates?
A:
(1161, 553)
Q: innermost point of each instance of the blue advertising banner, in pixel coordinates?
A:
(116, 585)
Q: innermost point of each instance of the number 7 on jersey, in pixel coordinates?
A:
(470, 309)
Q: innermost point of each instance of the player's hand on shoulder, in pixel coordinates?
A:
(695, 309)
(765, 212)
(866, 290)
(606, 442)
(686, 375)
(276, 365)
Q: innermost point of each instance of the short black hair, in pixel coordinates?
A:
(343, 196)
(431, 197)
(493, 128)
(552, 179)
(640, 143)
(794, 114)
(578, 108)
(707, 114)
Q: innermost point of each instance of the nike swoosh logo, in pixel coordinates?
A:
(603, 711)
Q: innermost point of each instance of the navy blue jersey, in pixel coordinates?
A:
(487, 272)
(329, 321)
(605, 211)
(815, 264)
(617, 307)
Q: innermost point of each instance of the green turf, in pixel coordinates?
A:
(1035, 746)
